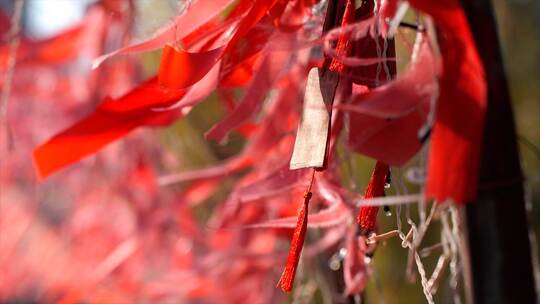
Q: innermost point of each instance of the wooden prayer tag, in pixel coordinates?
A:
(312, 135)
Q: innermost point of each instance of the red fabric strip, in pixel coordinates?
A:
(113, 119)
(457, 132)
(180, 69)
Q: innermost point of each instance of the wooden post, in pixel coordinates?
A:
(502, 270)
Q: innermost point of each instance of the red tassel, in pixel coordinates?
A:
(286, 281)
(367, 218)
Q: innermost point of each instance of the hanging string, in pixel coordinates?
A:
(14, 36)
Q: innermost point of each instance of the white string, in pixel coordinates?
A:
(451, 242)
(379, 55)
(419, 265)
(400, 13)
(455, 262)
(424, 281)
(390, 200)
(433, 282)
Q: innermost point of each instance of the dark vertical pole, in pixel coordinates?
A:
(502, 270)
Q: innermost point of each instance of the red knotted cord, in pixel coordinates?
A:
(367, 218)
(344, 44)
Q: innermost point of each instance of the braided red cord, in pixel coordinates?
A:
(367, 218)
(344, 45)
